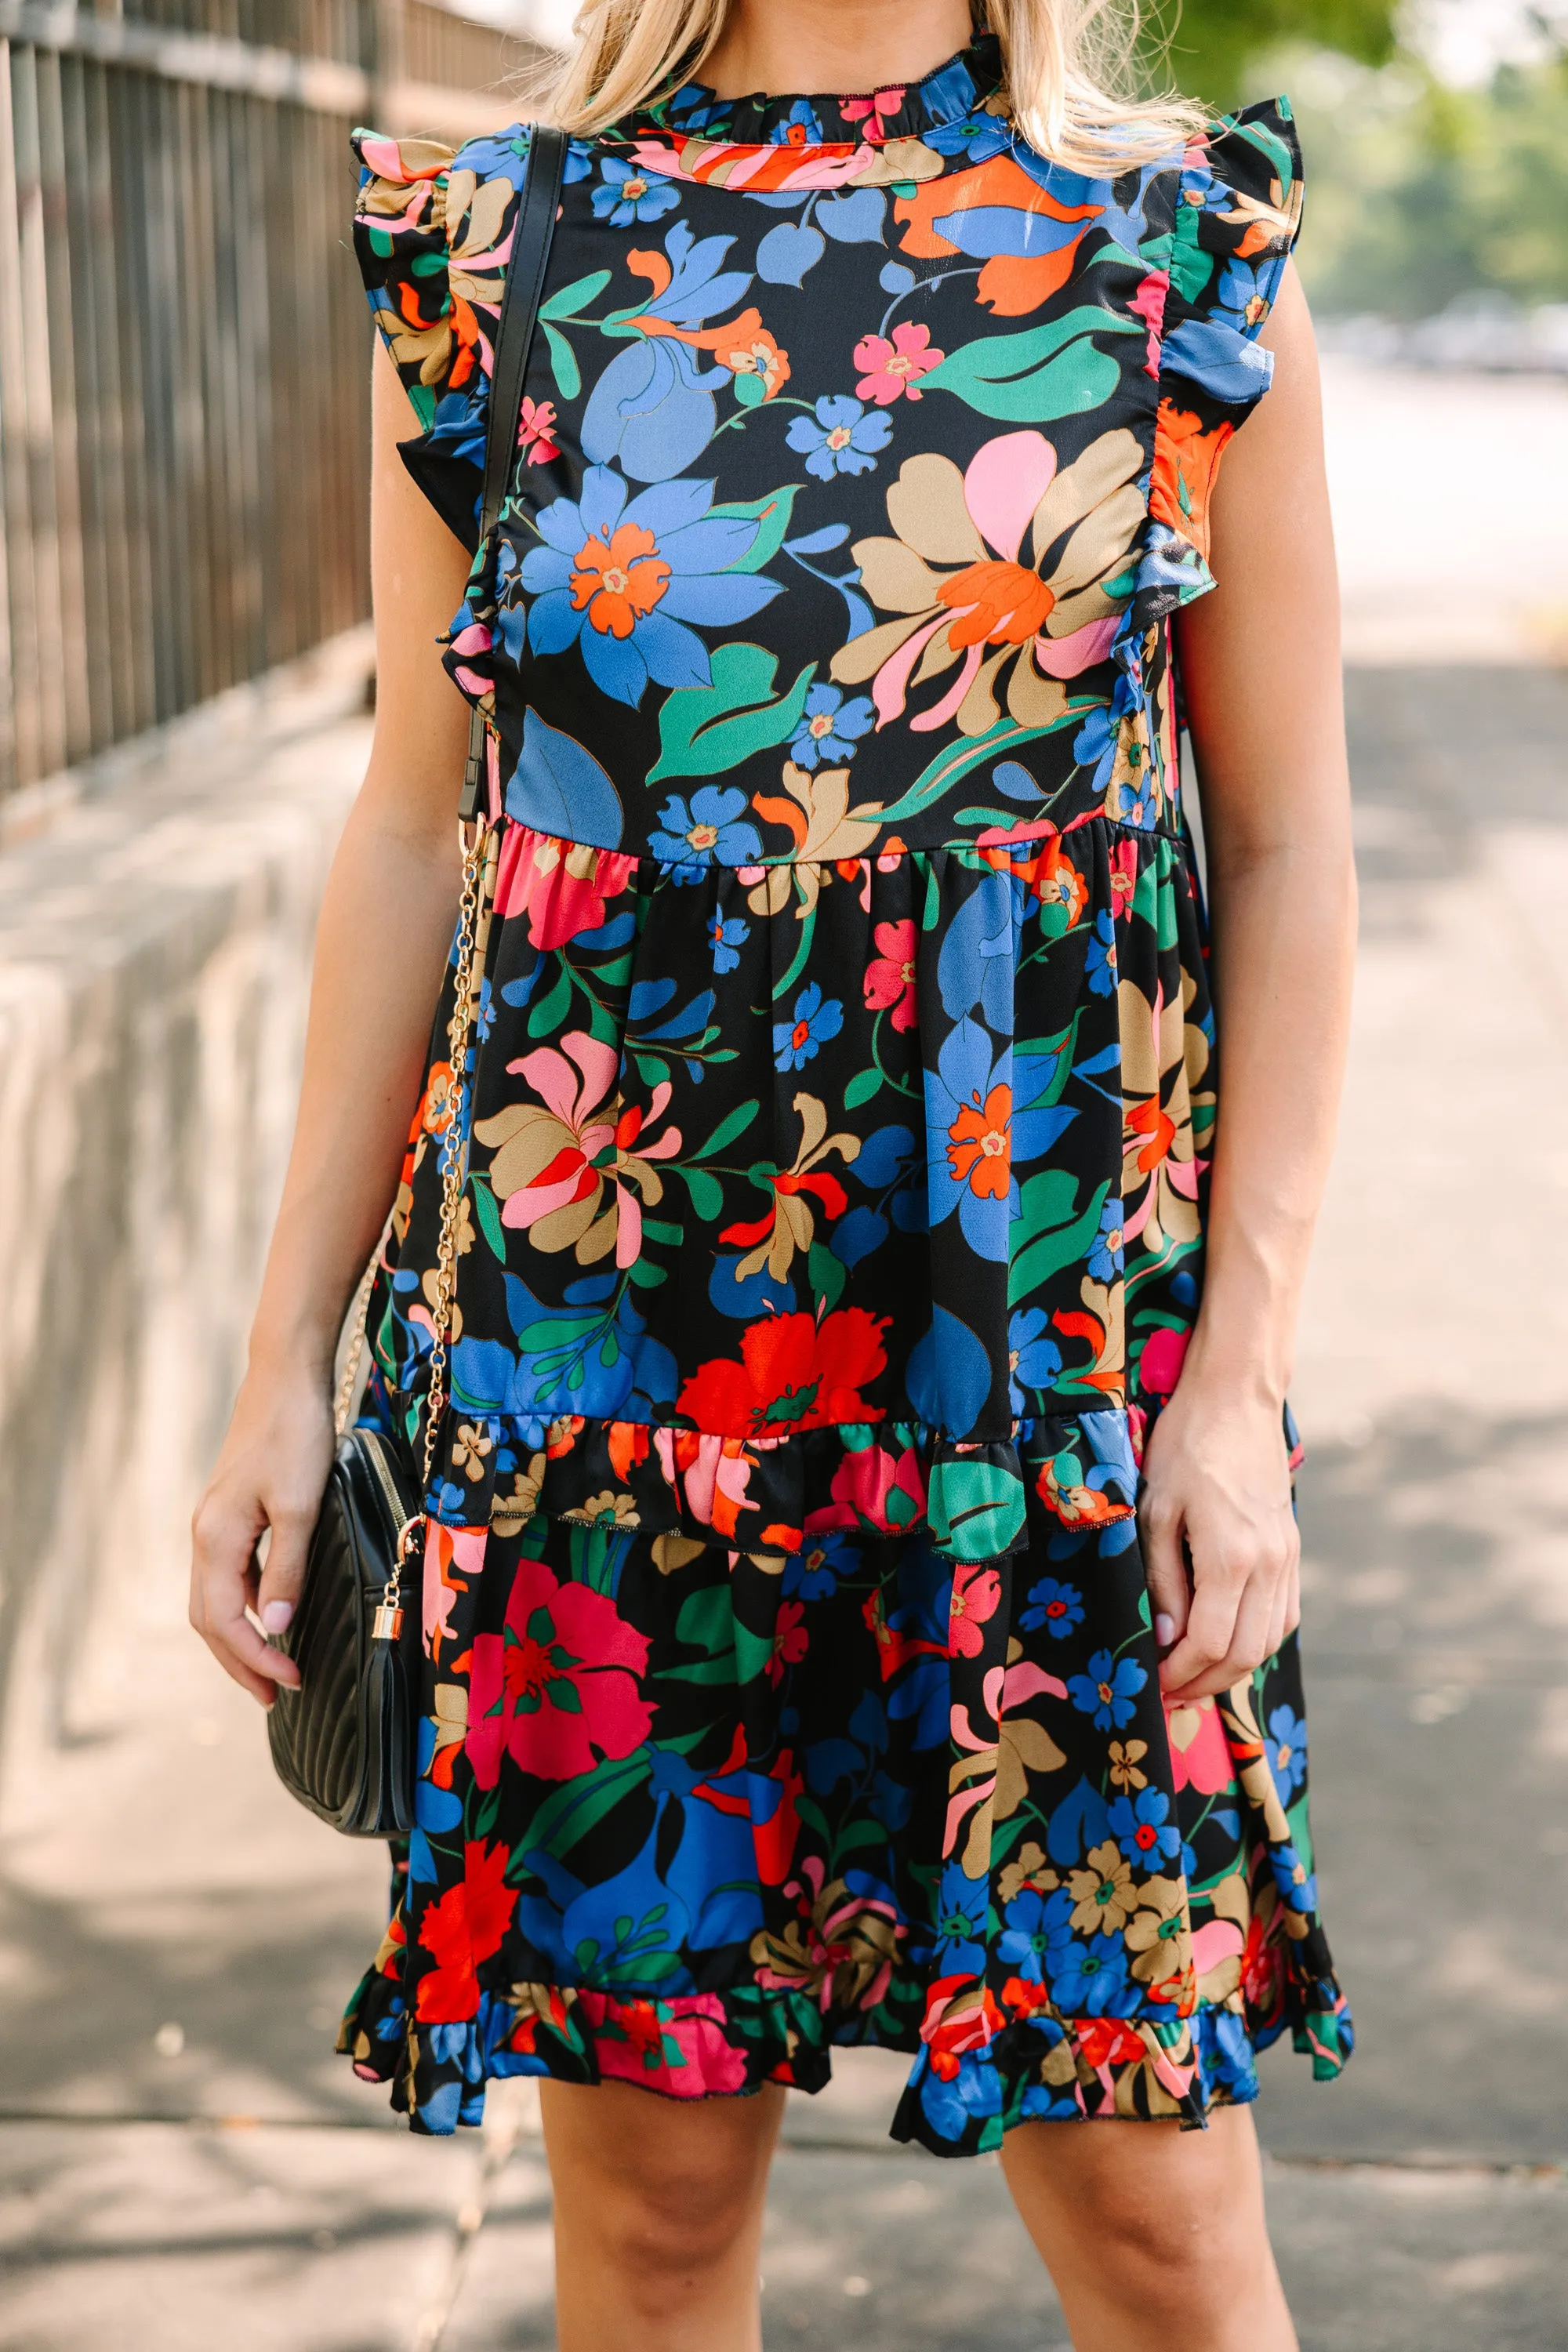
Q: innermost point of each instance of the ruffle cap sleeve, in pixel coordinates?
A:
(433, 231)
(1237, 213)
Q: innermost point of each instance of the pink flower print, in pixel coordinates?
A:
(891, 368)
(536, 431)
(976, 1593)
(560, 885)
(1149, 304)
(1200, 1753)
(891, 976)
(557, 1689)
(680, 2047)
(557, 1157)
(871, 112)
(1123, 880)
(874, 1488)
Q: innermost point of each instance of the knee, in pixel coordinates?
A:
(681, 2216)
(1176, 2250)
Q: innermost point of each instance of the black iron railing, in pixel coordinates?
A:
(184, 345)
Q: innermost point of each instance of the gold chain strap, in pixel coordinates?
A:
(388, 1621)
(472, 836)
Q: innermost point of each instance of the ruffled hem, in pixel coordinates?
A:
(686, 1489)
(963, 2091)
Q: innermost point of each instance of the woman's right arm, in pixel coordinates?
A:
(382, 944)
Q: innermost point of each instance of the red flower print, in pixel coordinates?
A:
(980, 1146)
(536, 431)
(557, 1689)
(794, 1373)
(791, 1640)
(891, 976)
(621, 582)
(891, 368)
(463, 1928)
(961, 2014)
(977, 1592)
(1107, 2042)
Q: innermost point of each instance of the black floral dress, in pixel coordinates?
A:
(836, 1131)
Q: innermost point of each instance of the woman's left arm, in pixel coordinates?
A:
(1261, 666)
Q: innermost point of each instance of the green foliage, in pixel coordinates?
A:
(1417, 192)
(1207, 45)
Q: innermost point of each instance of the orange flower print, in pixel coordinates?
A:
(979, 1149)
(619, 581)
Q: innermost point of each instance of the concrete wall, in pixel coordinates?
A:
(154, 957)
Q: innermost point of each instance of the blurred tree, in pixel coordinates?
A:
(1207, 45)
(1419, 193)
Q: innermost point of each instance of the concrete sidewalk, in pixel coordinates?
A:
(182, 2160)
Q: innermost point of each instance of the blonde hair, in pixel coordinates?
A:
(1070, 69)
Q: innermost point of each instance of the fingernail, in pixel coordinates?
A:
(1164, 1630)
(276, 1616)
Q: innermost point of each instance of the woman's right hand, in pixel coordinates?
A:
(269, 1480)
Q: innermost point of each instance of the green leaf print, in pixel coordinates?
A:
(976, 1508)
(939, 776)
(703, 729)
(1049, 1251)
(1045, 372)
(771, 514)
(563, 362)
(570, 300)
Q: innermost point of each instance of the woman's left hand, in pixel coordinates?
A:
(1216, 1493)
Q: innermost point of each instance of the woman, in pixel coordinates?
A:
(860, 1583)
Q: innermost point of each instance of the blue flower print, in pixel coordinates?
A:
(1243, 302)
(706, 830)
(725, 939)
(1090, 1980)
(621, 578)
(1058, 1607)
(961, 1905)
(1107, 1691)
(1099, 967)
(1038, 1933)
(1297, 1883)
(1140, 1826)
(579, 163)
(843, 438)
(1033, 1359)
(813, 1574)
(817, 1019)
(1287, 1751)
(829, 726)
(802, 127)
(1107, 1254)
(625, 196)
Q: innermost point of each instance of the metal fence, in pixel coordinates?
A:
(184, 419)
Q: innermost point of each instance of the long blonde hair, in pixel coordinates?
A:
(1070, 68)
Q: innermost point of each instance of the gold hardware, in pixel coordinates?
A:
(387, 1624)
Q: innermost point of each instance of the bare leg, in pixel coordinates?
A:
(658, 2217)
(1152, 2235)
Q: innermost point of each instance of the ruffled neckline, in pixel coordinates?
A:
(939, 102)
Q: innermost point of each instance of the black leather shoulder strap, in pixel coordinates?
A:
(520, 296)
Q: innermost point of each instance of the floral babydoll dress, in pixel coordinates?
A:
(836, 1129)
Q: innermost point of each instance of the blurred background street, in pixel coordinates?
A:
(182, 2160)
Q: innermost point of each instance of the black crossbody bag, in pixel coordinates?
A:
(343, 1742)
